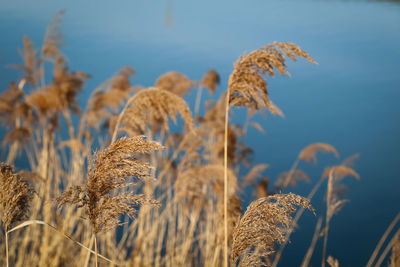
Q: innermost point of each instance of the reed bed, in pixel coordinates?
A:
(150, 196)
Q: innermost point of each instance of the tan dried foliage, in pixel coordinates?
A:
(175, 82)
(121, 80)
(253, 174)
(210, 80)
(310, 152)
(257, 126)
(53, 38)
(17, 135)
(15, 196)
(395, 257)
(60, 94)
(108, 172)
(151, 108)
(30, 65)
(247, 84)
(335, 189)
(262, 188)
(265, 223)
(332, 261)
(9, 100)
(295, 176)
(108, 98)
(196, 183)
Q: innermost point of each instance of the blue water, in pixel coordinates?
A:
(348, 100)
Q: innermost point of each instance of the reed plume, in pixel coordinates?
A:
(15, 196)
(253, 174)
(248, 87)
(310, 152)
(31, 64)
(150, 109)
(175, 82)
(265, 223)
(210, 81)
(333, 201)
(107, 99)
(109, 171)
(262, 188)
(292, 178)
(53, 39)
(15, 199)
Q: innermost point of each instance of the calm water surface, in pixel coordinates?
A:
(350, 99)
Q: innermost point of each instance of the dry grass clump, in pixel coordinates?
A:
(108, 171)
(195, 183)
(15, 196)
(200, 184)
(265, 223)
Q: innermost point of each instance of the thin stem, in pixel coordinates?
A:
(88, 255)
(6, 246)
(292, 169)
(387, 249)
(95, 248)
(314, 240)
(382, 240)
(324, 249)
(328, 215)
(226, 181)
(114, 136)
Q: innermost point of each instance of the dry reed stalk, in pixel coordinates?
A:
(310, 251)
(333, 201)
(394, 241)
(265, 222)
(247, 87)
(382, 240)
(395, 257)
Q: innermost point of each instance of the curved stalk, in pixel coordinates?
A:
(382, 240)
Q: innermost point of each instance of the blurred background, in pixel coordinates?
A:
(349, 100)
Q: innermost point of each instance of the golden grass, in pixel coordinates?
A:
(193, 176)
